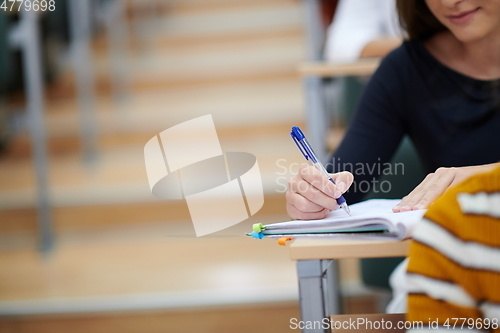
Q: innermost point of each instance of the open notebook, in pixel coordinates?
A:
(371, 219)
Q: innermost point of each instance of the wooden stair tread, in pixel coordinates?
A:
(80, 263)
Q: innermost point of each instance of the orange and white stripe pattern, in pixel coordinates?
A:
(454, 268)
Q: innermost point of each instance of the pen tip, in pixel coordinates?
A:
(346, 208)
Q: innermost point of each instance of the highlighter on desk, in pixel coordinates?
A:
(300, 140)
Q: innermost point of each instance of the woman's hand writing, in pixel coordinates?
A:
(311, 195)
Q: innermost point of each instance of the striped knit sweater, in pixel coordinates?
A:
(454, 269)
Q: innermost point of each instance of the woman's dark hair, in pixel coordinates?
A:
(416, 18)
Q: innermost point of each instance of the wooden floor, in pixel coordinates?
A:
(123, 260)
(273, 318)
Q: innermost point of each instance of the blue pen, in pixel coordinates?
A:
(300, 140)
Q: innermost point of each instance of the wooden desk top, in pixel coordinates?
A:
(362, 67)
(310, 249)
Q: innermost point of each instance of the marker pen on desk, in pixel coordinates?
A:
(300, 140)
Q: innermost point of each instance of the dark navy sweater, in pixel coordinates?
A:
(452, 119)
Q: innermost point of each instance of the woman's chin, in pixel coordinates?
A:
(468, 35)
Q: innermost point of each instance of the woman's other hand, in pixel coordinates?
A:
(311, 195)
(435, 184)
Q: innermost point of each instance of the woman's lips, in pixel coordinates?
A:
(462, 17)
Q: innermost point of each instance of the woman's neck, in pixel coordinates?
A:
(478, 59)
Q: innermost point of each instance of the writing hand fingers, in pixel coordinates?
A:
(307, 197)
(343, 180)
(306, 211)
(311, 195)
